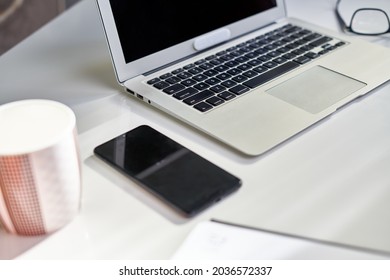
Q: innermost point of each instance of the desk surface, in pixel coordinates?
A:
(330, 183)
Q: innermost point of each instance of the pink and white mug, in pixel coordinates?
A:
(40, 176)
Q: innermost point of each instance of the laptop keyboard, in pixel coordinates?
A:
(225, 75)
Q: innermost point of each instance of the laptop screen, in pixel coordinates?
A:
(147, 26)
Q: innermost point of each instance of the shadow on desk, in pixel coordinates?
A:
(13, 245)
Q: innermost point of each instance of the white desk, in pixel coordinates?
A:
(332, 182)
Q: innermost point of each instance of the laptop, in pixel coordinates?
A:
(239, 71)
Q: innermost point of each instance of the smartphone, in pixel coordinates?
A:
(186, 181)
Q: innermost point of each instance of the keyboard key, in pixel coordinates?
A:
(199, 77)
(260, 69)
(232, 63)
(188, 82)
(223, 76)
(189, 66)
(234, 71)
(161, 85)
(264, 58)
(216, 61)
(323, 52)
(290, 46)
(250, 74)
(290, 28)
(198, 97)
(173, 80)
(217, 88)
(289, 55)
(264, 41)
(278, 43)
(274, 37)
(239, 89)
(295, 36)
(165, 76)
(231, 49)
(221, 53)
(271, 74)
(153, 81)
(177, 71)
(254, 62)
(221, 68)
(236, 53)
(227, 57)
(206, 66)
(200, 61)
(283, 50)
(215, 101)
(185, 93)
(211, 57)
(195, 70)
(261, 51)
(271, 47)
(254, 46)
(306, 47)
(210, 72)
(184, 75)
(201, 86)
(240, 79)
(212, 81)
(228, 83)
(320, 41)
(339, 44)
(302, 59)
(203, 106)
(245, 49)
(226, 95)
(244, 67)
(251, 55)
(279, 60)
(270, 64)
(298, 52)
(174, 88)
(312, 36)
(304, 32)
(241, 59)
(273, 54)
(300, 42)
(311, 55)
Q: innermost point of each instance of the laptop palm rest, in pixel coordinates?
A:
(316, 89)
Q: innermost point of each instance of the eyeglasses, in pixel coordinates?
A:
(366, 21)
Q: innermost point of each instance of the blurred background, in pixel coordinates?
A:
(20, 18)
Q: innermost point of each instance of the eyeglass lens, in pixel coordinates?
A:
(370, 21)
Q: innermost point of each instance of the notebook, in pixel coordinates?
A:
(239, 71)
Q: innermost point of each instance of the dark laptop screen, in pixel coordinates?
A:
(147, 26)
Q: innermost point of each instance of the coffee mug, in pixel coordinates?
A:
(40, 176)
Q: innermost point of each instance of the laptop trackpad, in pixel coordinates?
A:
(316, 89)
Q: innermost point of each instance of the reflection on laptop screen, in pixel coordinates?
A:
(145, 27)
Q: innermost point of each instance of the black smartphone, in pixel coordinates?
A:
(180, 177)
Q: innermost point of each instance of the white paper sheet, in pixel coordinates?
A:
(217, 241)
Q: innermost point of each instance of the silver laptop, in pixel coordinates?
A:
(240, 71)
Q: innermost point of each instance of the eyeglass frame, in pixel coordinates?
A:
(349, 27)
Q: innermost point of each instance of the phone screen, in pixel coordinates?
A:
(175, 174)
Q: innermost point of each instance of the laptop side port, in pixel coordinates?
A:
(130, 91)
(138, 96)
